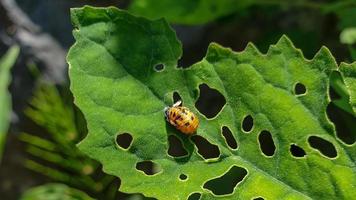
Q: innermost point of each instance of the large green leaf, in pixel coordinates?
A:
(187, 11)
(54, 191)
(6, 62)
(115, 84)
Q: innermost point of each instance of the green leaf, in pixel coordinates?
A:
(57, 156)
(187, 11)
(349, 75)
(6, 62)
(337, 83)
(115, 84)
(54, 191)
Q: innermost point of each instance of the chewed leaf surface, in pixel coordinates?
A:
(278, 97)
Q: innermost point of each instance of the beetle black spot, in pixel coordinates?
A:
(187, 124)
(192, 118)
(178, 117)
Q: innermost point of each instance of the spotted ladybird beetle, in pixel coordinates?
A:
(182, 118)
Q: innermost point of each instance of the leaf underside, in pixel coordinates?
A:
(115, 84)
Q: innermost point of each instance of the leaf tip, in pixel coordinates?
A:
(250, 47)
(285, 41)
(324, 55)
(215, 50)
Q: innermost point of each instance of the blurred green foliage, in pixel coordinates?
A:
(193, 12)
(54, 152)
(54, 191)
(6, 62)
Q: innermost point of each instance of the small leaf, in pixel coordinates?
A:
(54, 191)
(6, 62)
(115, 84)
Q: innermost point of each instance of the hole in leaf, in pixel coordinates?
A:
(344, 123)
(335, 81)
(210, 101)
(299, 89)
(176, 97)
(325, 147)
(176, 148)
(183, 177)
(247, 123)
(226, 183)
(194, 196)
(266, 143)
(124, 140)
(297, 151)
(229, 138)
(333, 94)
(159, 67)
(258, 198)
(148, 167)
(205, 148)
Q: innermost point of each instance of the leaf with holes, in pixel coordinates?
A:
(187, 11)
(263, 132)
(6, 63)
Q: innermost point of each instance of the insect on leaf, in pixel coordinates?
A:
(273, 103)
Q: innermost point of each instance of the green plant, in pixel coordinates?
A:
(203, 11)
(54, 150)
(54, 191)
(271, 133)
(6, 62)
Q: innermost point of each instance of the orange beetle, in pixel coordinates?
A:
(182, 118)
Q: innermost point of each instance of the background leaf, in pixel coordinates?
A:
(6, 62)
(53, 149)
(348, 36)
(187, 11)
(349, 73)
(279, 97)
(54, 191)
